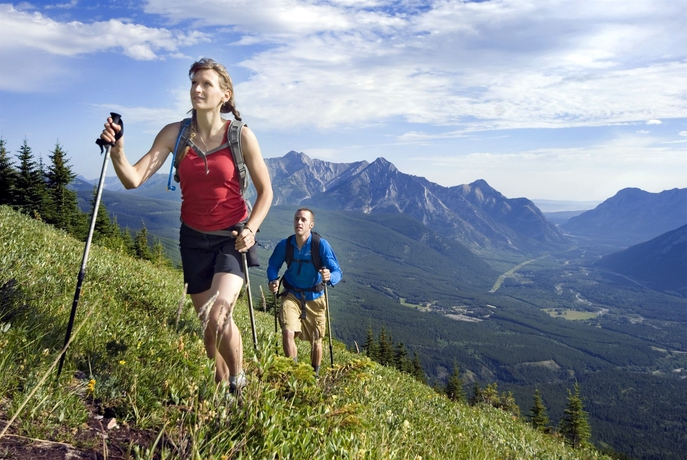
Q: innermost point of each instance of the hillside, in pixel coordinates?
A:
(660, 263)
(132, 361)
(632, 216)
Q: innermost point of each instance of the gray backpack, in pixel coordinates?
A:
(233, 142)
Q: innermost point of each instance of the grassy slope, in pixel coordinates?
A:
(155, 376)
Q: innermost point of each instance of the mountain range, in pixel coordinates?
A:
(474, 214)
(632, 216)
(660, 263)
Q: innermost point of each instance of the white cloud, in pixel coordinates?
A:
(683, 133)
(595, 172)
(474, 66)
(469, 66)
(23, 30)
(654, 122)
(69, 5)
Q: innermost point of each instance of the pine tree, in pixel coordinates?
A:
(418, 371)
(386, 348)
(141, 245)
(159, 256)
(64, 210)
(370, 345)
(401, 357)
(128, 242)
(30, 188)
(8, 176)
(539, 419)
(574, 425)
(454, 385)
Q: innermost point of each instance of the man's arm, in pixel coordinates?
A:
(277, 259)
(330, 262)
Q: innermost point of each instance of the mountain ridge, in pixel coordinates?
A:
(632, 216)
(660, 263)
(475, 214)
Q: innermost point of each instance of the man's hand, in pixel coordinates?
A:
(326, 275)
(274, 286)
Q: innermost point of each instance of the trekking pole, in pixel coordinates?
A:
(250, 300)
(275, 323)
(117, 119)
(329, 324)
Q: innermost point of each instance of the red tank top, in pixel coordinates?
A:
(213, 201)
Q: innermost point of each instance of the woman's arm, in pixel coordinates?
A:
(133, 176)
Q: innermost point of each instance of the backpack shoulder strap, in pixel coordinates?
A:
(315, 251)
(180, 143)
(289, 251)
(234, 139)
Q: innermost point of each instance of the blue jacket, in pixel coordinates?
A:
(304, 276)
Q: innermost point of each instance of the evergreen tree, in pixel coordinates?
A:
(64, 210)
(8, 176)
(141, 245)
(401, 360)
(539, 419)
(454, 385)
(30, 188)
(128, 242)
(386, 348)
(370, 346)
(418, 371)
(490, 396)
(159, 256)
(103, 224)
(574, 425)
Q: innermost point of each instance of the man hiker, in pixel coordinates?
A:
(310, 263)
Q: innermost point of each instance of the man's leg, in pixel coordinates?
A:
(289, 342)
(290, 325)
(316, 355)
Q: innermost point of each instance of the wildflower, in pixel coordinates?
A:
(91, 386)
(122, 362)
(406, 425)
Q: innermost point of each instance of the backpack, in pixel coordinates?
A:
(315, 260)
(233, 142)
(314, 251)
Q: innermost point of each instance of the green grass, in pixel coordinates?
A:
(130, 359)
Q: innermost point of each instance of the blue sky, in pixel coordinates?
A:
(558, 100)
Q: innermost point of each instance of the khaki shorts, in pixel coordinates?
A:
(314, 326)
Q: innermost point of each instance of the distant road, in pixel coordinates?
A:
(510, 272)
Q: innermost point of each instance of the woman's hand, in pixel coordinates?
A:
(110, 133)
(245, 239)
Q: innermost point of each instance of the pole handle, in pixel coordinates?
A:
(116, 119)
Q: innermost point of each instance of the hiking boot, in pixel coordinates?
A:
(236, 387)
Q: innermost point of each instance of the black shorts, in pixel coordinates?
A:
(203, 255)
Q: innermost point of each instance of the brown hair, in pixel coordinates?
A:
(306, 209)
(225, 84)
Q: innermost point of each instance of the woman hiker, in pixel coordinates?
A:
(211, 203)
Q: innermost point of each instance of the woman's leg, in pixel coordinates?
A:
(221, 332)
